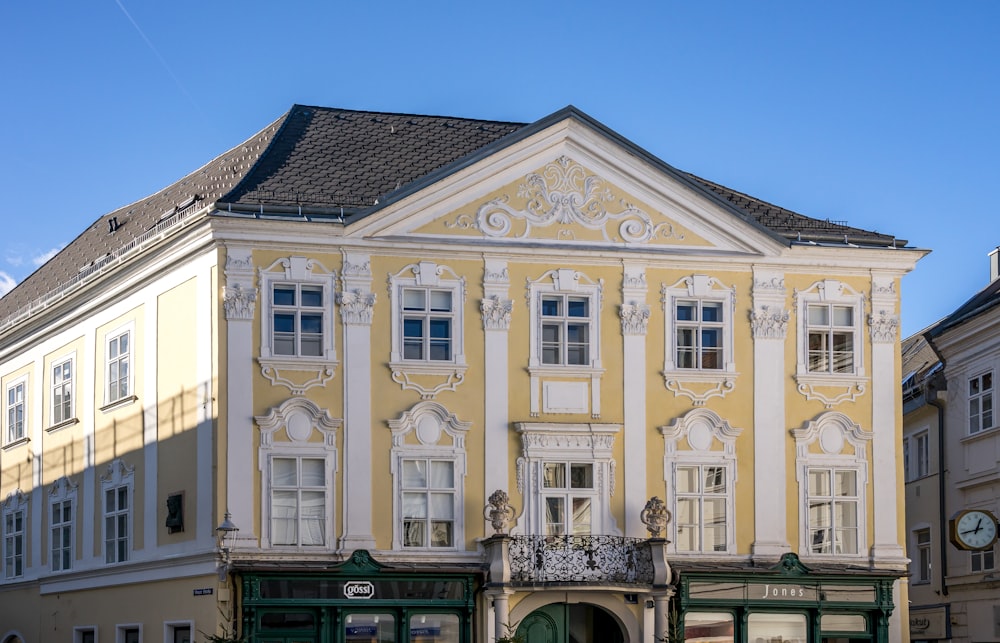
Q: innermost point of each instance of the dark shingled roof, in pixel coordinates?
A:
(317, 160)
(982, 301)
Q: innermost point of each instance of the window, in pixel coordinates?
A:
(15, 412)
(62, 392)
(427, 322)
(15, 510)
(565, 330)
(84, 635)
(832, 474)
(567, 469)
(981, 402)
(296, 328)
(567, 494)
(833, 511)
(298, 501)
(702, 496)
(428, 488)
(700, 470)
(62, 535)
(297, 459)
(829, 342)
(117, 486)
(831, 336)
(983, 561)
(117, 511)
(428, 476)
(178, 632)
(699, 328)
(119, 367)
(297, 314)
(922, 559)
(428, 316)
(916, 456)
(129, 634)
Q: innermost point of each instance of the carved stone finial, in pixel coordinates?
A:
(655, 516)
(499, 512)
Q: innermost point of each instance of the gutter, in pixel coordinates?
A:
(940, 383)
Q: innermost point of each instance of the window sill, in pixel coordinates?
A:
(714, 375)
(117, 404)
(62, 425)
(552, 370)
(418, 367)
(985, 433)
(16, 443)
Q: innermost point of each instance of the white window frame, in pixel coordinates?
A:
(427, 276)
(699, 289)
(428, 431)
(118, 475)
(79, 631)
(12, 436)
(69, 384)
(842, 446)
(62, 491)
(298, 272)
(977, 421)
(700, 438)
(109, 401)
(829, 292)
(545, 442)
(15, 504)
(170, 627)
(922, 562)
(568, 494)
(287, 431)
(569, 283)
(122, 629)
(983, 561)
(922, 451)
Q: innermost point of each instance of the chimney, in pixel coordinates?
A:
(995, 264)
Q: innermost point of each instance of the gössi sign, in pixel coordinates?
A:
(359, 589)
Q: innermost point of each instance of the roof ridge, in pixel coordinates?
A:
(404, 114)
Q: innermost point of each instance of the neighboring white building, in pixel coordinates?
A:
(952, 465)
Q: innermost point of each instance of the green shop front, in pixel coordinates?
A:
(359, 601)
(789, 602)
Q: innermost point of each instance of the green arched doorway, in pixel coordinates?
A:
(570, 623)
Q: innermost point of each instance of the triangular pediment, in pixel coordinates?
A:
(563, 201)
(568, 184)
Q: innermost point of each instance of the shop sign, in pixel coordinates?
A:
(359, 589)
(781, 592)
(929, 624)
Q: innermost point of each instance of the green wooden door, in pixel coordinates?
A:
(576, 623)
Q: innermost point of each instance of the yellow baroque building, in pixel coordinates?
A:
(385, 377)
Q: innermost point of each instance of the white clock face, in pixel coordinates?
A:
(976, 529)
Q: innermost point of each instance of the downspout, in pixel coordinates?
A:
(931, 393)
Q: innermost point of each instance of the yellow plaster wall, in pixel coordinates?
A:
(177, 408)
(17, 459)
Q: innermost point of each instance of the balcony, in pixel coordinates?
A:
(584, 560)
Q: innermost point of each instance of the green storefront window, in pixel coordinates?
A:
(709, 627)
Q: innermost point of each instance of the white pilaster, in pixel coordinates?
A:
(357, 304)
(634, 315)
(769, 322)
(35, 448)
(240, 298)
(883, 324)
(497, 309)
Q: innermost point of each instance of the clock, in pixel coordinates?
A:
(973, 529)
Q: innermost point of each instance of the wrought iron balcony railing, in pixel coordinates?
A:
(580, 559)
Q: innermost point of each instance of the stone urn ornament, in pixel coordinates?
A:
(655, 516)
(499, 512)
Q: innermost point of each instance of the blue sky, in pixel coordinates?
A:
(884, 115)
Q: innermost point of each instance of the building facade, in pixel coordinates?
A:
(952, 450)
(384, 377)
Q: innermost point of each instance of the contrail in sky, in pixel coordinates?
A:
(157, 54)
